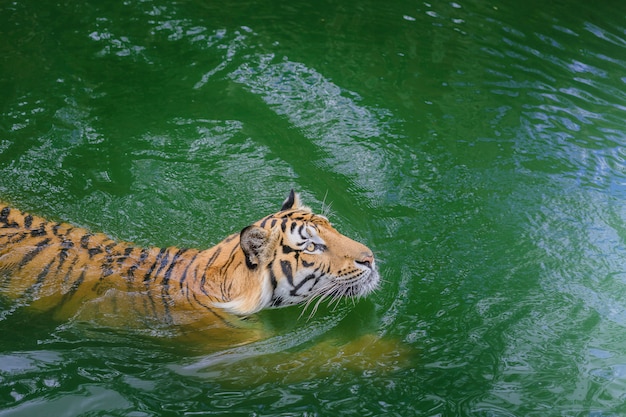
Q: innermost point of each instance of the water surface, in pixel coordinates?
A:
(476, 147)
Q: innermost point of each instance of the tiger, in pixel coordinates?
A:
(290, 257)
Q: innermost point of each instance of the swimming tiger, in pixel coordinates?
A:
(286, 258)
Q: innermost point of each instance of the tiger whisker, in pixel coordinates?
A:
(326, 207)
(333, 291)
(316, 306)
(318, 296)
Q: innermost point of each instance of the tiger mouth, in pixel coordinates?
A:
(358, 284)
(363, 285)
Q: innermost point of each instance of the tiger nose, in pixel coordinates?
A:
(366, 259)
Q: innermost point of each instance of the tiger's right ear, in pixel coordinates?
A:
(254, 242)
(292, 201)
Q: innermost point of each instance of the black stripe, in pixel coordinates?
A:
(264, 221)
(170, 269)
(213, 258)
(4, 218)
(106, 270)
(206, 268)
(212, 310)
(309, 277)
(230, 238)
(301, 231)
(28, 221)
(166, 308)
(183, 277)
(225, 288)
(120, 259)
(185, 289)
(68, 295)
(127, 252)
(41, 231)
(108, 261)
(62, 257)
(4, 215)
(152, 303)
(165, 295)
(146, 277)
(31, 291)
(66, 245)
(84, 243)
(30, 255)
(55, 229)
(12, 240)
(44, 273)
(70, 268)
(164, 261)
(131, 270)
(272, 277)
(147, 308)
(285, 266)
(231, 258)
(84, 240)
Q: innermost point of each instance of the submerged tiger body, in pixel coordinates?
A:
(290, 257)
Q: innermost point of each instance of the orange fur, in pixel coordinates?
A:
(289, 257)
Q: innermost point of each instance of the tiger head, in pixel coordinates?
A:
(299, 256)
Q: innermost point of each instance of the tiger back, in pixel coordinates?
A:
(290, 257)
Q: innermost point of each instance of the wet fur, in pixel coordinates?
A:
(286, 258)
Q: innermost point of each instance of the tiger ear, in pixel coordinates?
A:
(254, 241)
(292, 201)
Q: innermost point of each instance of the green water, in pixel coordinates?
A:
(477, 147)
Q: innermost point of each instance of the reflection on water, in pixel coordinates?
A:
(478, 148)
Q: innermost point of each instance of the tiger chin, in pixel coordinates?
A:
(290, 257)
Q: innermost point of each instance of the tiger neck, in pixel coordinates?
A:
(215, 278)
